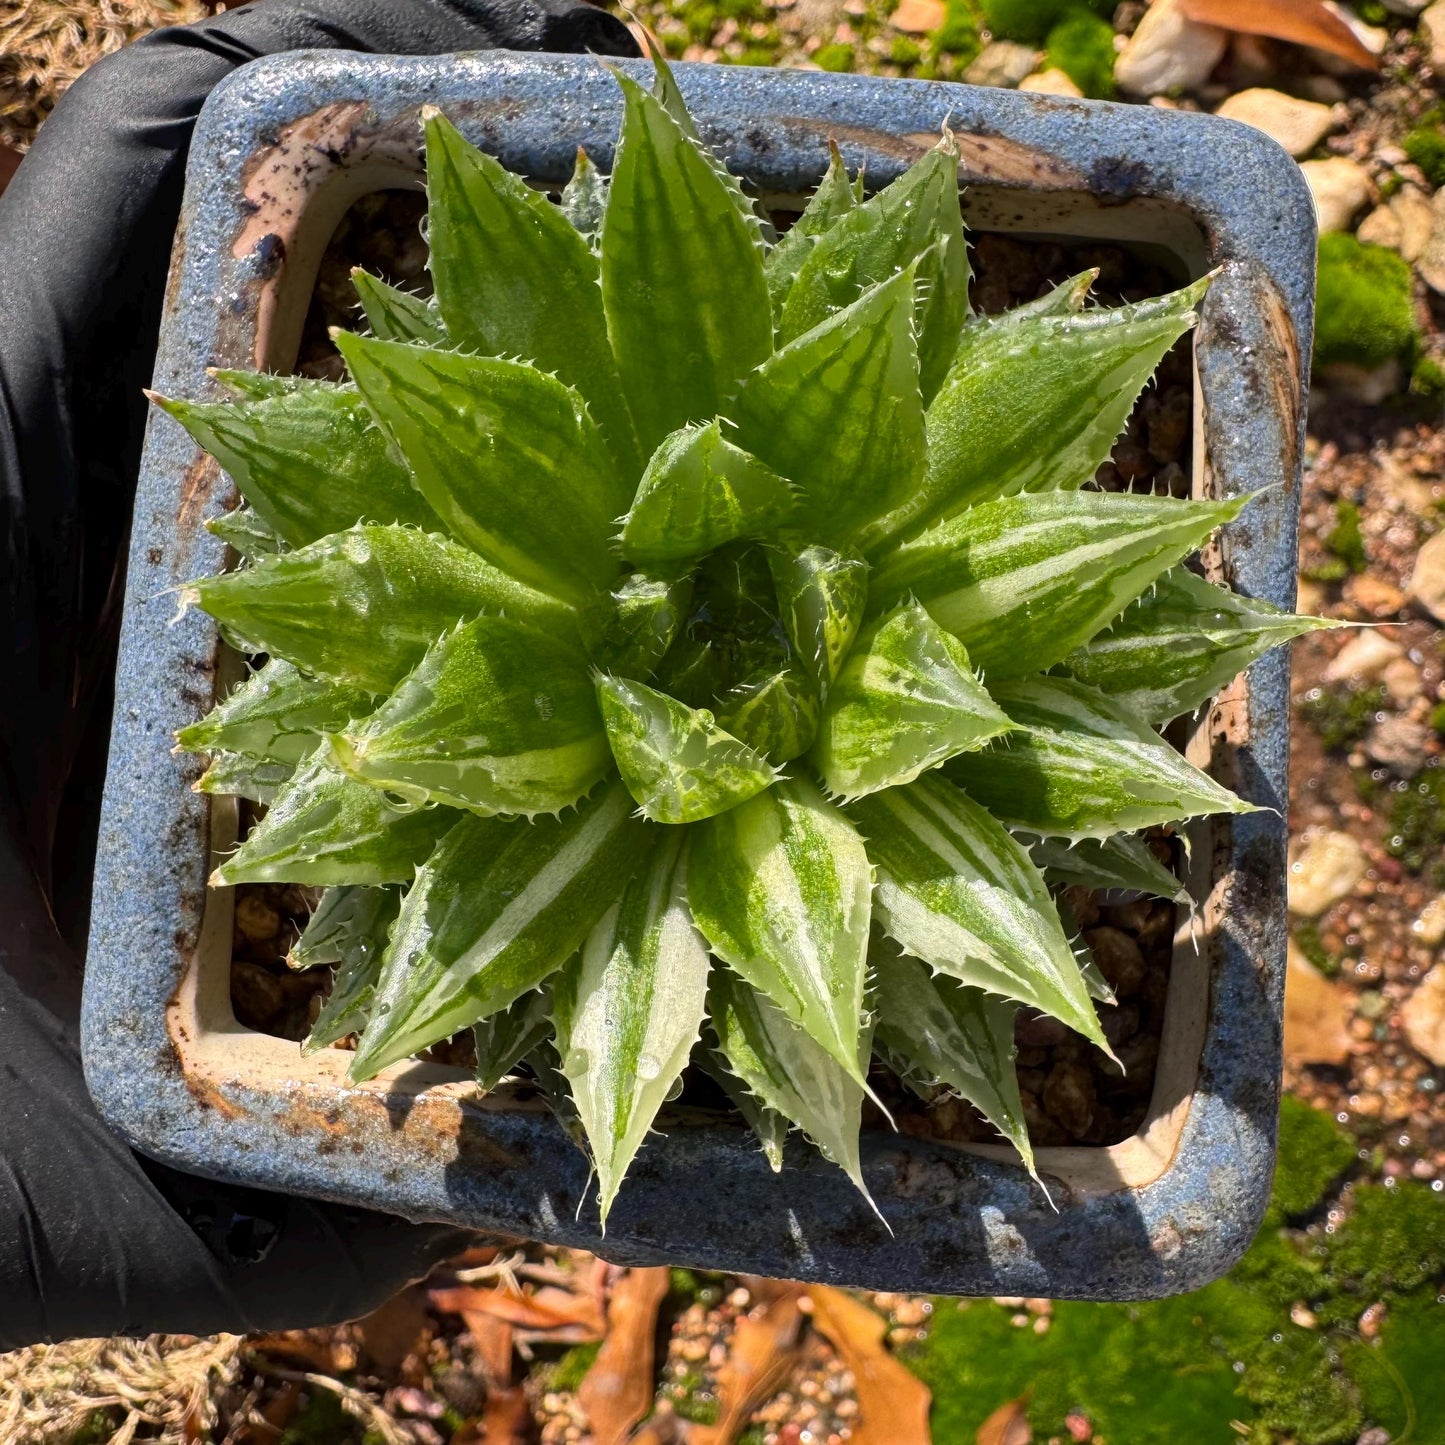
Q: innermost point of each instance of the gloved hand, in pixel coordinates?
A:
(94, 1240)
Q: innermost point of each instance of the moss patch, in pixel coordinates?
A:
(1426, 147)
(1364, 305)
(1082, 46)
(1417, 825)
(1341, 715)
(1229, 1361)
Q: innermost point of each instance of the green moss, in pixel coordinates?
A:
(1437, 717)
(836, 58)
(1313, 1152)
(1032, 20)
(1344, 540)
(321, 1421)
(1417, 824)
(905, 50)
(1391, 1242)
(569, 1372)
(1341, 715)
(1082, 46)
(958, 35)
(1364, 304)
(1306, 935)
(97, 1429)
(1426, 147)
(1372, 12)
(1427, 380)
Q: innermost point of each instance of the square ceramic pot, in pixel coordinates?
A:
(282, 149)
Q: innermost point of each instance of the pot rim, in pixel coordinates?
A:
(281, 149)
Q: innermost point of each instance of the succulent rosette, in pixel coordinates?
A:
(689, 643)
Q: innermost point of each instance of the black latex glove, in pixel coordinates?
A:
(94, 1241)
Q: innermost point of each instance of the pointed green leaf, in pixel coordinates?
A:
(353, 988)
(343, 916)
(1081, 766)
(677, 762)
(277, 713)
(776, 715)
(1036, 404)
(823, 596)
(310, 461)
(363, 606)
(509, 1035)
(1175, 647)
(1024, 580)
(905, 701)
(497, 718)
(682, 275)
(515, 278)
(1065, 299)
(1123, 861)
(780, 888)
(802, 413)
(241, 776)
(325, 828)
(956, 890)
(769, 1126)
(499, 907)
(628, 1011)
(243, 529)
(917, 216)
(788, 1073)
(584, 198)
(699, 493)
(260, 384)
(632, 630)
(943, 1032)
(828, 204)
(396, 315)
(507, 455)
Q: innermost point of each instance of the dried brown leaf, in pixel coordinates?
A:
(1305, 22)
(548, 1308)
(618, 1390)
(763, 1355)
(1008, 1425)
(399, 1328)
(892, 1401)
(507, 1420)
(325, 1353)
(493, 1341)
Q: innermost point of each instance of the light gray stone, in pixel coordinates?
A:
(1004, 63)
(1298, 125)
(1326, 870)
(1427, 581)
(1340, 188)
(1170, 52)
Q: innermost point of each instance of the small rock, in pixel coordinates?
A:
(1171, 52)
(1298, 125)
(1314, 1014)
(1364, 657)
(256, 919)
(1432, 34)
(1374, 595)
(1119, 959)
(1368, 385)
(1430, 263)
(1340, 189)
(1402, 681)
(1069, 1095)
(1408, 8)
(1398, 744)
(1325, 871)
(919, 17)
(1001, 63)
(1411, 208)
(1303, 1316)
(1375, 1435)
(1429, 927)
(1381, 228)
(1051, 82)
(1422, 1017)
(1427, 582)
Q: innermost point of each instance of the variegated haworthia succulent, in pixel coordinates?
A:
(679, 638)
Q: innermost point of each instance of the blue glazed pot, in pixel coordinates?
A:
(282, 149)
